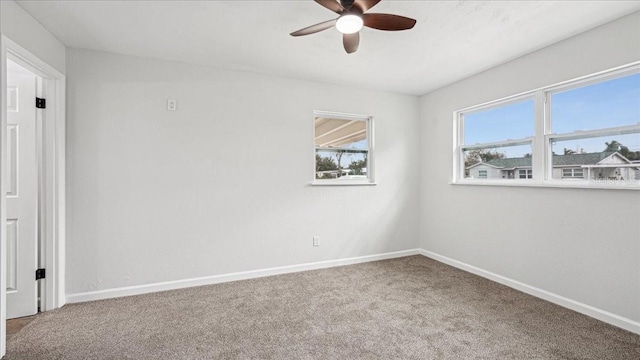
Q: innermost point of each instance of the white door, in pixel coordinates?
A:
(22, 192)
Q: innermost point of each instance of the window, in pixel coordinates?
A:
(595, 128)
(580, 133)
(573, 173)
(343, 149)
(488, 140)
(525, 174)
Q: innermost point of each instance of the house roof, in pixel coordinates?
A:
(558, 160)
(511, 162)
(482, 163)
(582, 159)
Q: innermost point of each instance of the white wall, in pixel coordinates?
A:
(578, 243)
(222, 184)
(19, 26)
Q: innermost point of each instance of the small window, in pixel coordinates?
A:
(573, 173)
(525, 174)
(343, 151)
(482, 174)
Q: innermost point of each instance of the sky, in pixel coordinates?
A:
(612, 103)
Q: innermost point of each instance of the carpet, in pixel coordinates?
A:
(406, 308)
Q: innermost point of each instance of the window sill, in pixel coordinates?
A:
(343, 183)
(568, 184)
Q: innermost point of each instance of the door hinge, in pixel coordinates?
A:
(40, 274)
(41, 103)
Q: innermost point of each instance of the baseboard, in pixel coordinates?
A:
(585, 309)
(217, 279)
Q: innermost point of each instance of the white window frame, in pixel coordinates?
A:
(459, 166)
(370, 180)
(543, 138)
(483, 174)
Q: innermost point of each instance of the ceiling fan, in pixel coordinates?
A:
(352, 18)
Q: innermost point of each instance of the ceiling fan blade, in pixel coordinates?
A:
(351, 42)
(332, 5)
(315, 28)
(346, 4)
(388, 22)
(365, 5)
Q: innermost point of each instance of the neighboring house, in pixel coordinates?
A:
(593, 166)
(637, 169)
(512, 168)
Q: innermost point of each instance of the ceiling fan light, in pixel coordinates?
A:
(349, 24)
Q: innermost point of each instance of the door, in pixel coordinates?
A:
(22, 192)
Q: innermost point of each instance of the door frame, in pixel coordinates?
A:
(51, 198)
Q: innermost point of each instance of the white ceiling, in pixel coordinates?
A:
(451, 40)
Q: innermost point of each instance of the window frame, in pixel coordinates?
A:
(542, 140)
(368, 119)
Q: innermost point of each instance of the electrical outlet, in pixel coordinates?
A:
(172, 104)
(316, 241)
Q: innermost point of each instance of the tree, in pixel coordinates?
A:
(339, 154)
(481, 155)
(624, 151)
(568, 151)
(613, 146)
(325, 164)
(357, 166)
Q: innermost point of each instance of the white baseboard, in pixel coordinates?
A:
(585, 309)
(216, 279)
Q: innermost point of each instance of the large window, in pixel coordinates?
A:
(580, 133)
(343, 149)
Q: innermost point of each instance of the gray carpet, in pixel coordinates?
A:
(407, 308)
